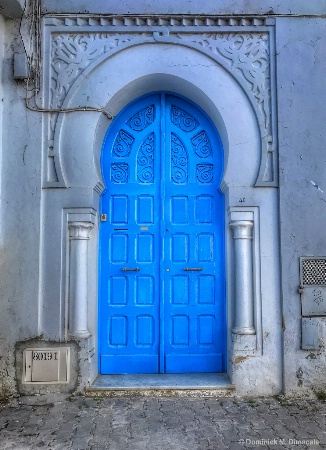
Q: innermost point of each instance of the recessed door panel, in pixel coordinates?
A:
(118, 290)
(119, 209)
(145, 290)
(180, 290)
(179, 210)
(145, 212)
(119, 248)
(180, 247)
(162, 305)
(118, 331)
(145, 330)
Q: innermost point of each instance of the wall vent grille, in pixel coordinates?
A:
(313, 271)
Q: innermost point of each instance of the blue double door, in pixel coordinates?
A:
(162, 283)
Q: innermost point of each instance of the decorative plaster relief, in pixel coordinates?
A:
(245, 53)
(72, 53)
(248, 55)
(157, 21)
(241, 45)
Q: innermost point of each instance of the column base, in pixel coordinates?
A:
(83, 334)
(244, 330)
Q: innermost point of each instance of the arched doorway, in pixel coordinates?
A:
(162, 274)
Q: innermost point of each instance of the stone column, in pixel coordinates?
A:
(78, 277)
(244, 294)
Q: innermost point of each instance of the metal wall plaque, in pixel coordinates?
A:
(310, 338)
(46, 365)
(313, 286)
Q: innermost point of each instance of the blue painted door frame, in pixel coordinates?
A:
(162, 270)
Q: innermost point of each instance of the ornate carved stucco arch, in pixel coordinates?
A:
(108, 87)
(78, 61)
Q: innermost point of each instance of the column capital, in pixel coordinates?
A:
(79, 230)
(242, 229)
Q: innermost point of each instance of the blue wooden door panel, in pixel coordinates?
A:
(194, 243)
(129, 285)
(162, 300)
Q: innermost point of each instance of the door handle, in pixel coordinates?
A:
(130, 269)
(192, 269)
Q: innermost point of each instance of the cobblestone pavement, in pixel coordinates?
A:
(162, 423)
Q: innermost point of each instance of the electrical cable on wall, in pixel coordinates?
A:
(31, 21)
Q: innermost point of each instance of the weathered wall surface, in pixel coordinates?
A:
(20, 212)
(294, 7)
(12, 8)
(2, 29)
(300, 49)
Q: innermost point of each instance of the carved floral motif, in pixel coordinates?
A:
(145, 160)
(142, 119)
(179, 160)
(182, 119)
(123, 143)
(72, 53)
(201, 144)
(248, 55)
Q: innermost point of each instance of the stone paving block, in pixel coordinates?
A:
(15, 425)
(3, 422)
(235, 446)
(80, 443)
(313, 428)
(115, 442)
(17, 446)
(48, 425)
(226, 424)
(257, 423)
(230, 436)
(58, 446)
(217, 443)
(321, 437)
(34, 422)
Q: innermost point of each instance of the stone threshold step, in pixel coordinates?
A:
(160, 385)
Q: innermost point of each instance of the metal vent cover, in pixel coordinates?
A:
(313, 271)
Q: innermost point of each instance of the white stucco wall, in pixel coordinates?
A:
(301, 45)
(233, 7)
(2, 26)
(289, 219)
(20, 211)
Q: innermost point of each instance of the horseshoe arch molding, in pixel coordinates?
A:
(256, 82)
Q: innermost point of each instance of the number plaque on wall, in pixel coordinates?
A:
(46, 365)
